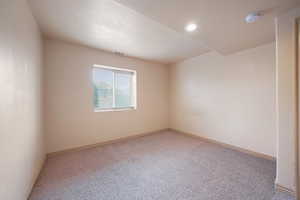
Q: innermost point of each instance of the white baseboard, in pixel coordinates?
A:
(104, 143)
(253, 153)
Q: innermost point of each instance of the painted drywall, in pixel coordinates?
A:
(21, 137)
(286, 70)
(70, 120)
(230, 99)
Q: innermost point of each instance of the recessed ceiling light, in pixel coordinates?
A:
(191, 27)
(253, 17)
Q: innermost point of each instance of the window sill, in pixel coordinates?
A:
(115, 110)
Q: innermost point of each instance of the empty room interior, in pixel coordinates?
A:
(149, 100)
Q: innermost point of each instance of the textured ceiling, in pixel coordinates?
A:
(222, 25)
(154, 30)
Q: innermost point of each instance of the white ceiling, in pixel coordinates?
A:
(154, 29)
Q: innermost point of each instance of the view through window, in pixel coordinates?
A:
(114, 88)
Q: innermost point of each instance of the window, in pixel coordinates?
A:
(114, 88)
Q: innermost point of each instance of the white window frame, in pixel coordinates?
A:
(133, 87)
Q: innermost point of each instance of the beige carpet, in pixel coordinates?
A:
(162, 166)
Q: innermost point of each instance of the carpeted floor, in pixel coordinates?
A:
(283, 196)
(162, 166)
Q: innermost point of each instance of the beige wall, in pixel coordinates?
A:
(230, 99)
(21, 138)
(70, 120)
(286, 99)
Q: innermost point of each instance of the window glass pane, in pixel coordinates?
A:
(103, 88)
(123, 90)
